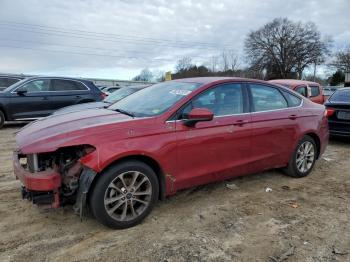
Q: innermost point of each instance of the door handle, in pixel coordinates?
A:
(78, 97)
(240, 122)
(293, 117)
(45, 98)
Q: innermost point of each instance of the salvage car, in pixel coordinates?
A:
(338, 108)
(118, 161)
(116, 96)
(36, 97)
(311, 90)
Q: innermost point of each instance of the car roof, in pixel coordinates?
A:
(59, 77)
(210, 79)
(292, 82)
(138, 86)
(344, 88)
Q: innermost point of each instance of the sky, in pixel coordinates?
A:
(117, 39)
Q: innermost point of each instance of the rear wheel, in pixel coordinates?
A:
(124, 195)
(2, 119)
(303, 159)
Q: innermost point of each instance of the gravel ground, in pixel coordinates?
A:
(300, 220)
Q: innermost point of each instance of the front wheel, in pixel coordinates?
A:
(303, 158)
(124, 194)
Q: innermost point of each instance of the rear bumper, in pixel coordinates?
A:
(339, 128)
(40, 181)
(339, 133)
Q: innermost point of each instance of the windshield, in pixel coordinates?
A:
(156, 99)
(341, 96)
(120, 94)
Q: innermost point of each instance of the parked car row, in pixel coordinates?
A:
(36, 97)
(109, 89)
(109, 100)
(119, 159)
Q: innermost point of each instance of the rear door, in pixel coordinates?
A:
(33, 102)
(217, 149)
(274, 126)
(68, 92)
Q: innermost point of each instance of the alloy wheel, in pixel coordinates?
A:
(128, 196)
(305, 157)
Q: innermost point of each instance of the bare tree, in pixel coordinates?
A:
(283, 47)
(225, 62)
(342, 60)
(183, 64)
(145, 75)
(214, 63)
(232, 60)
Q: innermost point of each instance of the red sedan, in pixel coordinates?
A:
(173, 135)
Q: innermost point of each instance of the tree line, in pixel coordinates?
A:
(279, 49)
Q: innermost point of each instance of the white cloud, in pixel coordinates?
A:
(137, 34)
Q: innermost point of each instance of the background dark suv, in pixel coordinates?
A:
(37, 97)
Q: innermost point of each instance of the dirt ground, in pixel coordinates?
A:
(304, 219)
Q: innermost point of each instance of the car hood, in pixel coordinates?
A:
(80, 127)
(84, 106)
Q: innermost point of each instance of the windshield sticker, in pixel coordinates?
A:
(180, 92)
(155, 111)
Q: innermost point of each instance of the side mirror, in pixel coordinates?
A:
(198, 115)
(21, 92)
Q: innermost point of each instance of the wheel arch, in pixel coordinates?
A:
(2, 109)
(317, 140)
(151, 162)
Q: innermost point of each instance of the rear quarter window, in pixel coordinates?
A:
(293, 101)
(67, 85)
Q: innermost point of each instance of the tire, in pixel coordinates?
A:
(301, 162)
(2, 119)
(117, 202)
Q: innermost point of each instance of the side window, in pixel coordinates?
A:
(315, 91)
(67, 85)
(293, 100)
(80, 86)
(40, 85)
(226, 99)
(267, 98)
(302, 90)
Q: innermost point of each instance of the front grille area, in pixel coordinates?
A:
(32, 162)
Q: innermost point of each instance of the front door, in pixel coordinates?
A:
(217, 149)
(31, 100)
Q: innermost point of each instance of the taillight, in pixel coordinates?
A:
(103, 95)
(329, 112)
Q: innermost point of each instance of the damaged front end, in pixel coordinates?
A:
(55, 179)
